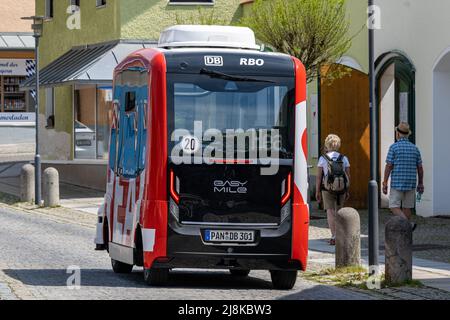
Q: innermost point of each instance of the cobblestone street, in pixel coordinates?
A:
(36, 250)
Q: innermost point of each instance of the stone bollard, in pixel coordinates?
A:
(398, 251)
(27, 183)
(51, 187)
(348, 241)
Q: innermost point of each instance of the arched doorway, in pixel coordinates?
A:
(395, 93)
(441, 150)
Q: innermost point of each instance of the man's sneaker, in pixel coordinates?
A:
(332, 242)
(413, 226)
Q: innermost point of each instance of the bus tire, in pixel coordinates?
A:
(156, 277)
(120, 267)
(283, 280)
(239, 272)
(106, 235)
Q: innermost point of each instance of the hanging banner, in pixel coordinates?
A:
(13, 67)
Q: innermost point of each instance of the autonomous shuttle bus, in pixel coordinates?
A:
(207, 158)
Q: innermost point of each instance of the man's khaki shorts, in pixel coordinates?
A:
(330, 201)
(402, 199)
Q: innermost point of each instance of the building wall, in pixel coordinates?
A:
(441, 175)
(246, 7)
(96, 25)
(17, 54)
(10, 13)
(56, 143)
(420, 30)
(145, 19)
(387, 95)
(359, 51)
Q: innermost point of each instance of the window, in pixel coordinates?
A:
(101, 3)
(12, 98)
(74, 5)
(129, 130)
(93, 108)
(85, 122)
(49, 8)
(104, 120)
(130, 103)
(191, 1)
(50, 107)
(222, 104)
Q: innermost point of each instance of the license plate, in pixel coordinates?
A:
(229, 236)
(84, 143)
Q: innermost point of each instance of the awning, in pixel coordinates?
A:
(16, 41)
(89, 64)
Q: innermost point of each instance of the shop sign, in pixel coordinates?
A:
(13, 67)
(17, 117)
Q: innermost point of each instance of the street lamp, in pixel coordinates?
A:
(373, 184)
(37, 27)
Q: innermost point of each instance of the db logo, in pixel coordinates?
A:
(252, 62)
(216, 61)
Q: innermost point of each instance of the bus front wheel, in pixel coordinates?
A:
(120, 267)
(283, 280)
(156, 277)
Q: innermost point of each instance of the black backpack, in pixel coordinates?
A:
(336, 181)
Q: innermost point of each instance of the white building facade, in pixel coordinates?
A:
(413, 84)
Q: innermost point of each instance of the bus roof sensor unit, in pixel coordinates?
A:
(208, 36)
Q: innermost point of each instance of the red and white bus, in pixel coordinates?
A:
(180, 194)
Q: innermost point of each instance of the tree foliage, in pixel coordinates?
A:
(315, 31)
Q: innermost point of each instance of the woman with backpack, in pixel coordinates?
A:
(332, 181)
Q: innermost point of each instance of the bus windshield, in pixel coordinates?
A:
(233, 104)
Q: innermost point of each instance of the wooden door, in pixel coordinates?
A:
(344, 110)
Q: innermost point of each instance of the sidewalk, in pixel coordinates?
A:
(72, 197)
(432, 271)
(10, 153)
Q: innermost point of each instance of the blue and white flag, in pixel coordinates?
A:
(31, 71)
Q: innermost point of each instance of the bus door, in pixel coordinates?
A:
(130, 160)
